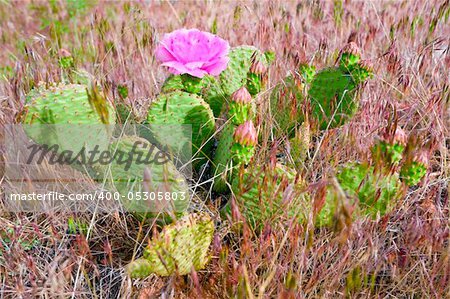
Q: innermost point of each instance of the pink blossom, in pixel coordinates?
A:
(194, 52)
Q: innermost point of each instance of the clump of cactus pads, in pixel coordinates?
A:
(139, 170)
(413, 170)
(82, 116)
(374, 191)
(333, 92)
(182, 108)
(180, 248)
(388, 150)
(236, 147)
(267, 194)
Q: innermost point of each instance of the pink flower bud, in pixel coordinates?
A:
(245, 134)
(241, 96)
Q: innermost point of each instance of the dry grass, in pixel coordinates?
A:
(405, 254)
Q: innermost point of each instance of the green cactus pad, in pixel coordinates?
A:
(235, 75)
(173, 83)
(82, 117)
(128, 179)
(180, 248)
(65, 104)
(268, 194)
(333, 98)
(213, 94)
(376, 192)
(182, 108)
(412, 173)
(222, 163)
(390, 154)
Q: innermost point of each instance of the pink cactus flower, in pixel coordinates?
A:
(193, 52)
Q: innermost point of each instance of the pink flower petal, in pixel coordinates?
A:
(218, 67)
(191, 51)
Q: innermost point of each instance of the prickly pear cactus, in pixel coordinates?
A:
(414, 170)
(349, 58)
(333, 98)
(67, 104)
(255, 76)
(82, 116)
(143, 177)
(388, 150)
(267, 194)
(235, 75)
(377, 191)
(236, 147)
(374, 191)
(178, 249)
(182, 108)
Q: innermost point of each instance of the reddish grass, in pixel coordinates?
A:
(404, 254)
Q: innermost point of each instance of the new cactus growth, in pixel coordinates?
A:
(414, 170)
(389, 149)
(236, 147)
(255, 76)
(349, 58)
(147, 171)
(240, 107)
(180, 248)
